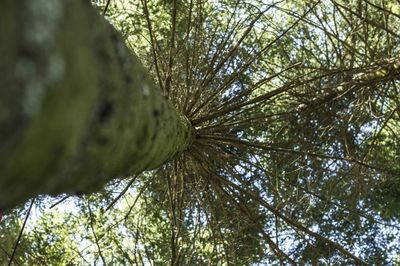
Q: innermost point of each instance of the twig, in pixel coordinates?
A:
(122, 193)
(106, 7)
(94, 234)
(21, 231)
(60, 201)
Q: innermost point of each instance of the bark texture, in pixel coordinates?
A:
(77, 108)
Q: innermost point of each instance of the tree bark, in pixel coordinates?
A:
(77, 108)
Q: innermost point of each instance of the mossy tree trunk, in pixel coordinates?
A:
(77, 108)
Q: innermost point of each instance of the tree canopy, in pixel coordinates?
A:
(295, 153)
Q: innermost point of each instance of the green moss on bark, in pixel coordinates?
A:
(87, 110)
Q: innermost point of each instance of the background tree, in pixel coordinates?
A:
(295, 108)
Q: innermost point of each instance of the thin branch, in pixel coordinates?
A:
(60, 201)
(21, 231)
(153, 43)
(106, 7)
(171, 48)
(123, 192)
(94, 234)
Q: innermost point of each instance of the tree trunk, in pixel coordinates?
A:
(77, 108)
